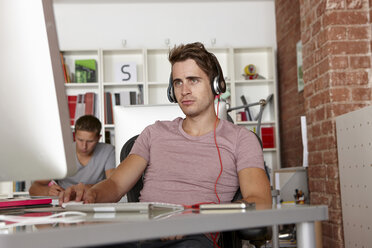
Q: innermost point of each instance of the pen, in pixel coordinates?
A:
(52, 182)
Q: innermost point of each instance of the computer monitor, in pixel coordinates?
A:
(35, 135)
(131, 120)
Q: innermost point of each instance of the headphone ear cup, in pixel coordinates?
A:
(170, 91)
(218, 86)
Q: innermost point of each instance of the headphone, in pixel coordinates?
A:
(218, 84)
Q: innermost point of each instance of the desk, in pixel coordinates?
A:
(105, 230)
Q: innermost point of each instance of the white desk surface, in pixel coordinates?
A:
(99, 230)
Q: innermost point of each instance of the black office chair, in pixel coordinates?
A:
(256, 236)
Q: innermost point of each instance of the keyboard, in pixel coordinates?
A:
(123, 207)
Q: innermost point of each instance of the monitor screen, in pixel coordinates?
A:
(131, 120)
(35, 135)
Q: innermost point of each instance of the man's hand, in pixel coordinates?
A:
(78, 192)
(55, 190)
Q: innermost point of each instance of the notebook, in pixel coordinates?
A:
(23, 201)
(123, 207)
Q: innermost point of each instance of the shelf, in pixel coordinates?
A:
(126, 84)
(152, 78)
(255, 81)
(81, 85)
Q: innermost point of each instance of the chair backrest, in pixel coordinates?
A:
(134, 193)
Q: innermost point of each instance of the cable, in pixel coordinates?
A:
(215, 237)
(218, 150)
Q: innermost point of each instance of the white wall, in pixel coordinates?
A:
(104, 24)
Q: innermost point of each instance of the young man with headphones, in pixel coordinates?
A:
(199, 159)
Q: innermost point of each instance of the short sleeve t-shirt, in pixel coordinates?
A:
(183, 169)
(102, 160)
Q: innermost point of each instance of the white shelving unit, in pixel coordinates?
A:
(153, 71)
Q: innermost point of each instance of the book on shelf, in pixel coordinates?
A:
(267, 137)
(82, 104)
(125, 72)
(85, 70)
(72, 99)
(108, 108)
(125, 98)
(89, 100)
(66, 73)
(109, 137)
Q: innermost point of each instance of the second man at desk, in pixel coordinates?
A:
(95, 161)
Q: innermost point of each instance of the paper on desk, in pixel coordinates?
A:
(304, 141)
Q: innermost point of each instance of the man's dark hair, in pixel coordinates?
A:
(88, 123)
(197, 52)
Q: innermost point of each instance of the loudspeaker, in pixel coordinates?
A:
(218, 84)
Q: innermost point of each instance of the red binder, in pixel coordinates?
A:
(17, 202)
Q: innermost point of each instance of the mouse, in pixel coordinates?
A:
(71, 203)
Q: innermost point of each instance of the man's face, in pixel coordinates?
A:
(192, 88)
(85, 142)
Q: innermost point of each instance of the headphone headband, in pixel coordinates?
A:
(218, 83)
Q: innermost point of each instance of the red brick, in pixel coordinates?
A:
(345, 18)
(315, 158)
(315, 28)
(338, 233)
(321, 8)
(358, 33)
(311, 146)
(316, 185)
(316, 171)
(329, 112)
(343, 108)
(339, 62)
(321, 38)
(355, 4)
(335, 202)
(335, 217)
(318, 199)
(335, 4)
(348, 47)
(332, 170)
(360, 62)
(348, 78)
(320, 114)
(337, 33)
(327, 126)
(323, 143)
(330, 158)
(322, 82)
(340, 94)
(326, 229)
(315, 130)
(332, 187)
(361, 94)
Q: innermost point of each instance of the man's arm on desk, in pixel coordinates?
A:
(111, 189)
(255, 186)
(45, 188)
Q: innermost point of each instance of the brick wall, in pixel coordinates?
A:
(336, 38)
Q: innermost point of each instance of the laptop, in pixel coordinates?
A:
(121, 207)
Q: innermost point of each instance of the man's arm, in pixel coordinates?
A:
(255, 186)
(111, 189)
(42, 188)
(109, 172)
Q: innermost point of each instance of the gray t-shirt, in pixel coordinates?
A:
(102, 160)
